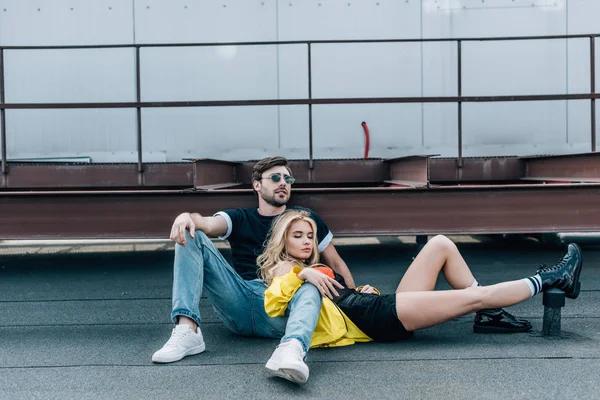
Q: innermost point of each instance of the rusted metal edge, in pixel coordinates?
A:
(347, 211)
(420, 170)
(330, 171)
(476, 169)
(97, 176)
(410, 170)
(410, 184)
(214, 174)
(217, 186)
(581, 167)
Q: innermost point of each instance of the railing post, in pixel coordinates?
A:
(3, 120)
(138, 97)
(459, 67)
(593, 89)
(311, 165)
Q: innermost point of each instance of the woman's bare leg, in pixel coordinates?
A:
(422, 309)
(440, 254)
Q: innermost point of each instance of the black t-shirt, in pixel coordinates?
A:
(247, 232)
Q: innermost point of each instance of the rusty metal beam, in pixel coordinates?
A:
(479, 169)
(212, 174)
(583, 167)
(98, 176)
(342, 171)
(348, 212)
(412, 171)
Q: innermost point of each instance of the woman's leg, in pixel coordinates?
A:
(422, 309)
(439, 254)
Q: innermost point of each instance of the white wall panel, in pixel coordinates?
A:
(103, 135)
(578, 65)
(293, 71)
(204, 73)
(580, 125)
(514, 68)
(366, 70)
(440, 129)
(477, 18)
(440, 78)
(440, 69)
(65, 22)
(293, 132)
(348, 19)
(395, 129)
(225, 73)
(597, 125)
(228, 133)
(0, 123)
(583, 16)
(64, 76)
(578, 81)
(194, 21)
(517, 128)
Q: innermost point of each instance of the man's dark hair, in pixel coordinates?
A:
(267, 163)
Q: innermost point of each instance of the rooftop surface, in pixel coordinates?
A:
(80, 320)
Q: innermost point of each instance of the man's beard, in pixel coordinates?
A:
(273, 200)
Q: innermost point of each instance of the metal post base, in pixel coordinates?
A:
(554, 300)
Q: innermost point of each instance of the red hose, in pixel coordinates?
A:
(367, 139)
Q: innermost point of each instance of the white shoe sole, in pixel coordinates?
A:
(177, 357)
(293, 373)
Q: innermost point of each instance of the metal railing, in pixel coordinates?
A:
(310, 101)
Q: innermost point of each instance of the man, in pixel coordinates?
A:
(235, 292)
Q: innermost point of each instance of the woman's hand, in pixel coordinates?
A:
(368, 289)
(325, 284)
(182, 222)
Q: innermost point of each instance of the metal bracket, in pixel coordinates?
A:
(210, 174)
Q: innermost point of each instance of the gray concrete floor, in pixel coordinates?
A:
(84, 324)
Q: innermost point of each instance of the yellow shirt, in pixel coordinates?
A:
(333, 328)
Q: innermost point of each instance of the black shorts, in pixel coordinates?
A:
(375, 315)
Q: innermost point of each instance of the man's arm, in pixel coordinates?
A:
(211, 226)
(332, 259)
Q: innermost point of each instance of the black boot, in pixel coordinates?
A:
(565, 274)
(497, 320)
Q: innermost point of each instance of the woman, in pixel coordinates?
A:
(349, 315)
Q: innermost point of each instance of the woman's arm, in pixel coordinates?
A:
(280, 292)
(331, 257)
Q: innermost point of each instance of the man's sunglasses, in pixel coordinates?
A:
(277, 177)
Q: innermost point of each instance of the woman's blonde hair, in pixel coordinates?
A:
(275, 252)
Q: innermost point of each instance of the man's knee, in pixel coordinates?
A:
(200, 239)
(199, 236)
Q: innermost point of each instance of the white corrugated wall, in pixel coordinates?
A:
(267, 72)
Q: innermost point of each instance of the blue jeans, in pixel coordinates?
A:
(237, 302)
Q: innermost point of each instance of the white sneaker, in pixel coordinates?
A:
(287, 362)
(183, 342)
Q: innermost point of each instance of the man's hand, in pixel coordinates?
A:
(182, 222)
(325, 284)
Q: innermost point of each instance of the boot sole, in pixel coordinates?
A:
(574, 293)
(491, 329)
(190, 352)
(296, 375)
